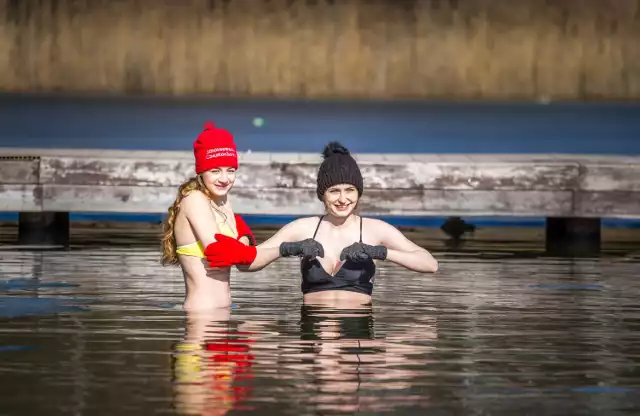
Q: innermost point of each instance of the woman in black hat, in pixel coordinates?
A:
(338, 250)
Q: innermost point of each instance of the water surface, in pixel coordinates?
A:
(99, 330)
(156, 123)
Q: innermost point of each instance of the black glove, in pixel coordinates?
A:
(359, 252)
(304, 248)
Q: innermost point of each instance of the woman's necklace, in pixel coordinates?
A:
(220, 212)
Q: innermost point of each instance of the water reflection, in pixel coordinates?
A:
(95, 331)
(338, 344)
(348, 367)
(334, 361)
(212, 365)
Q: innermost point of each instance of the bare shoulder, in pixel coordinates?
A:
(194, 197)
(379, 231)
(296, 230)
(195, 204)
(388, 235)
(306, 221)
(302, 226)
(376, 224)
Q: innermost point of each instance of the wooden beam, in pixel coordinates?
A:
(17, 171)
(612, 204)
(607, 177)
(301, 174)
(284, 183)
(293, 201)
(20, 198)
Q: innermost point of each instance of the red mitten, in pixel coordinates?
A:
(244, 230)
(227, 251)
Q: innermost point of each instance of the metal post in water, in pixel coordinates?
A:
(572, 236)
(43, 229)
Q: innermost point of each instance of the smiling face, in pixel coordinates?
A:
(340, 200)
(219, 181)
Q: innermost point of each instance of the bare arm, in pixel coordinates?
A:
(404, 252)
(197, 209)
(269, 251)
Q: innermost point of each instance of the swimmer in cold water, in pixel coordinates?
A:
(203, 210)
(339, 249)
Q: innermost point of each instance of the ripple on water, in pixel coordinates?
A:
(101, 330)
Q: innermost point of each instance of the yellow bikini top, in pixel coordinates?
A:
(197, 249)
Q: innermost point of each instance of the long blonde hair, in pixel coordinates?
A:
(169, 256)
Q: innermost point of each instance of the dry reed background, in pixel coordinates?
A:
(489, 49)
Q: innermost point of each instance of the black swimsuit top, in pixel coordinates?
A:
(352, 276)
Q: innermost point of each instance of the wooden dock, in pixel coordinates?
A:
(559, 186)
(33, 180)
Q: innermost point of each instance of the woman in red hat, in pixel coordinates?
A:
(201, 210)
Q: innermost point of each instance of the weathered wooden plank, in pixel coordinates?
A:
(293, 201)
(425, 158)
(395, 158)
(409, 175)
(99, 153)
(482, 176)
(412, 202)
(468, 202)
(114, 172)
(310, 158)
(19, 171)
(82, 198)
(278, 175)
(276, 201)
(512, 158)
(601, 177)
(123, 181)
(118, 172)
(390, 202)
(454, 158)
(599, 159)
(20, 198)
(249, 157)
(375, 158)
(284, 157)
(503, 202)
(158, 199)
(370, 158)
(612, 204)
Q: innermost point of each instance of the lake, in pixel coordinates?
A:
(501, 329)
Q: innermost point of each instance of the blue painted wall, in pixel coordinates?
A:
(280, 220)
(400, 127)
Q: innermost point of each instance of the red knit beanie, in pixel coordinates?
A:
(214, 148)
